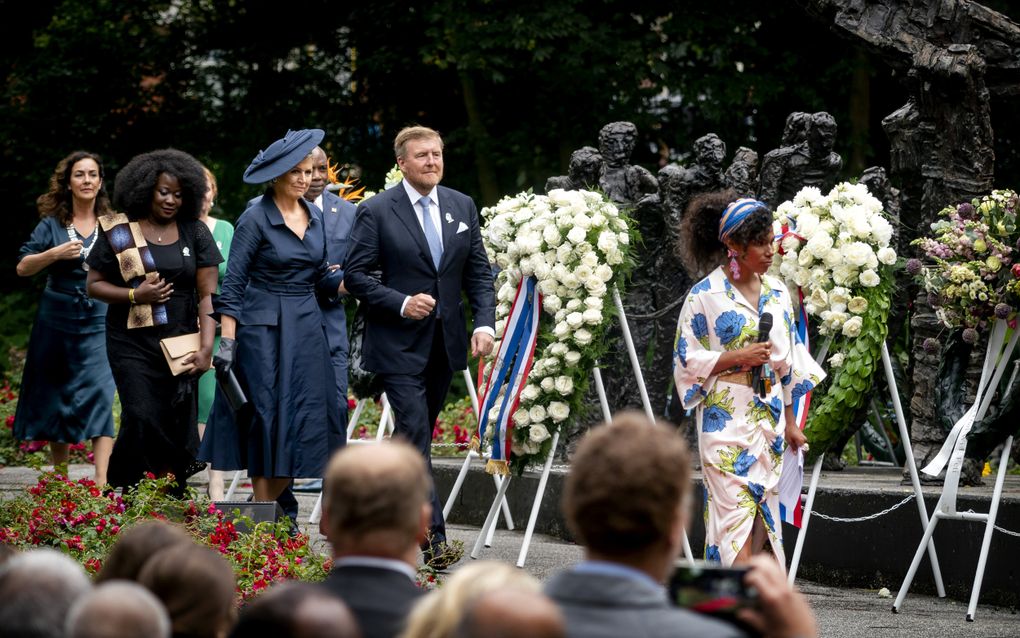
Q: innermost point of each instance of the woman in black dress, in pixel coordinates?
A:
(155, 264)
(70, 402)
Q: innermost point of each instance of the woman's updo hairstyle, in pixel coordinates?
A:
(700, 247)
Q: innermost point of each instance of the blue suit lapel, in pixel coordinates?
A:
(403, 210)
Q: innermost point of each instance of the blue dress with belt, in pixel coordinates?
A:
(290, 426)
(67, 387)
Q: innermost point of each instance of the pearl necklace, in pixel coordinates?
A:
(72, 234)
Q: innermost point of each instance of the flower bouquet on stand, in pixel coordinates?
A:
(835, 250)
(969, 271)
(575, 245)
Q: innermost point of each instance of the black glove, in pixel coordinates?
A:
(223, 361)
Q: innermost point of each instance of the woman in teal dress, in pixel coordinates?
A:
(67, 388)
(222, 233)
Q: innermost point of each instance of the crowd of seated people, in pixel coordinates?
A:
(626, 501)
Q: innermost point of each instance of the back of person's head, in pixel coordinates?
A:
(197, 587)
(509, 613)
(376, 499)
(138, 544)
(627, 487)
(118, 609)
(37, 588)
(297, 610)
(438, 614)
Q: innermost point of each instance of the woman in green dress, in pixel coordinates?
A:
(222, 232)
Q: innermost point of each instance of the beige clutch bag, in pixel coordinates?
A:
(177, 349)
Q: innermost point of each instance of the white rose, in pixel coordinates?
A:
(614, 257)
(838, 307)
(558, 411)
(542, 269)
(521, 417)
(538, 432)
(818, 245)
(570, 282)
(502, 309)
(548, 287)
(801, 276)
(596, 287)
(624, 238)
(523, 448)
(604, 272)
(833, 258)
(839, 295)
(852, 327)
(548, 384)
(561, 330)
(575, 319)
(576, 234)
(857, 253)
(590, 259)
(536, 414)
(598, 220)
(805, 258)
(869, 278)
(887, 256)
(558, 349)
(858, 224)
(582, 336)
(582, 221)
(881, 230)
(835, 360)
(526, 267)
(550, 364)
(564, 385)
(530, 392)
(844, 275)
(807, 225)
(858, 305)
(574, 304)
(572, 358)
(500, 326)
(564, 252)
(593, 302)
(583, 272)
(551, 235)
(807, 196)
(819, 298)
(592, 316)
(607, 241)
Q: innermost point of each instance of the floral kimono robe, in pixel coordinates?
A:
(740, 435)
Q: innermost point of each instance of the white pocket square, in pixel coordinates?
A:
(463, 227)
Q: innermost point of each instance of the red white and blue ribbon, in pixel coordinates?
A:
(509, 373)
(791, 481)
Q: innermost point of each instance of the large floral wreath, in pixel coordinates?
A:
(576, 244)
(835, 249)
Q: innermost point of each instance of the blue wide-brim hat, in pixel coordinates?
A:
(282, 155)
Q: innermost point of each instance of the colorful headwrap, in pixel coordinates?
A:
(735, 215)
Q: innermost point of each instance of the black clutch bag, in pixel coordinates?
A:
(231, 389)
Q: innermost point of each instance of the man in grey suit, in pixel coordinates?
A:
(626, 500)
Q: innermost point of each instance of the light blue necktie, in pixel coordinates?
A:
(431, 235)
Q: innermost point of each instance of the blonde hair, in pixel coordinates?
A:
(438, 614)
(409, 133)
(212, 182)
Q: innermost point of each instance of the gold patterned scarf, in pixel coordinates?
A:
(136, 266)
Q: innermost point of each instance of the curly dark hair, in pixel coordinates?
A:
(699, 245)
(56, 202)
(132, 192)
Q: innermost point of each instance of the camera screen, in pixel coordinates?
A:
(709, 588)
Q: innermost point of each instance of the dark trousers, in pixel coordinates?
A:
(417, 400)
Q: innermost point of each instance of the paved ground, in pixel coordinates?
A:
(840, 612)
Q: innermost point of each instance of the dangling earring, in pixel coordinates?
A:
(734, 266)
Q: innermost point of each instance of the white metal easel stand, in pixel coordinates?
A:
(459, 482)
(996, 361)
(386, 426)
(487, 527)
(915, 480)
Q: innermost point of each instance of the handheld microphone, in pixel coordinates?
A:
(764, 327)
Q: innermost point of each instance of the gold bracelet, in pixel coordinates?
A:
(131, 295)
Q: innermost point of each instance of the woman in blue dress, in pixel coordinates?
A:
(155, 264)
(273, 332)
(67, 388)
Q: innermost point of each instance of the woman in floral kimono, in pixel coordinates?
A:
(742, 430)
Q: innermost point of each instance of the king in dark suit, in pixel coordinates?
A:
(424, 243)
